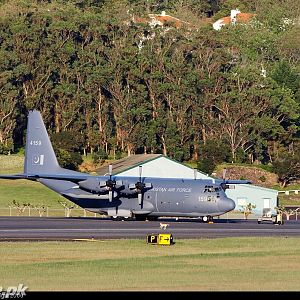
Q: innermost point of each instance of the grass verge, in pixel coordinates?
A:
(225, 264)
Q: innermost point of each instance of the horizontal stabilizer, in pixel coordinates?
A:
(14, 176)
(66, 177)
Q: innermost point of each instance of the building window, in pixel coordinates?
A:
(267, 202)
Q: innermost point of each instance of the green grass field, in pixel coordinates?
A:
(225, 264)
(10, 164)
(24, 191)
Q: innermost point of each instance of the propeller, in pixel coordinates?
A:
(140, 187)
(223, 184)
(224, 174)
(195, 173)
(110, 184)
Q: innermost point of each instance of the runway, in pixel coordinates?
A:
(36, 228)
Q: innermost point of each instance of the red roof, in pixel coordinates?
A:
(244, 17)
(168, 19)
(240, 18)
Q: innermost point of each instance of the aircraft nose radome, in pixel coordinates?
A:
(226, 204)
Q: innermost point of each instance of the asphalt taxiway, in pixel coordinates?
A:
(36, 228)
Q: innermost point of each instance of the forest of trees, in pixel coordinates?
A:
(108, 84)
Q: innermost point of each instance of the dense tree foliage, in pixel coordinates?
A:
(287, 166)
(131, 87)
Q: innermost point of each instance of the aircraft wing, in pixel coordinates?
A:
(225, 184)
(236, 181)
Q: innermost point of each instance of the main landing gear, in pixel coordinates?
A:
(117, 218)
(207, 219)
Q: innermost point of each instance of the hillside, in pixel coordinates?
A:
(262, 178)
(256, 175)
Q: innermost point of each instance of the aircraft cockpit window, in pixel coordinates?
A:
(208, 188)
(211, 189)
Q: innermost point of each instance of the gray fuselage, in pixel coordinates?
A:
(165, 197)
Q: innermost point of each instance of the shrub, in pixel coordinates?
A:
(99, 156)
(68, 160)
(5, 149)
(262, 178)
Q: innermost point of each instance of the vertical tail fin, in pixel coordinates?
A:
(39, 154)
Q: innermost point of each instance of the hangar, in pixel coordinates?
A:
(158, 165)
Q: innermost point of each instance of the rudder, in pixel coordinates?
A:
(39, 154)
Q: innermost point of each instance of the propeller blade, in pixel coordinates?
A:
(110, 170)
(110, 196)
(140, 172)
(224, 186)
(195, 173)
(140, 195)
(224, 174)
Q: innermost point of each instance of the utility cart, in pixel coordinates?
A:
(268, 217)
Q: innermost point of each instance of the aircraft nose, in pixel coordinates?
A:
(226, 204)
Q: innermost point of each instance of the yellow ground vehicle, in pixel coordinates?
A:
(268, 217)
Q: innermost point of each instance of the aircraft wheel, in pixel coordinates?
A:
(140, 218)
(152, 218)
(205, 219)
(116, 218)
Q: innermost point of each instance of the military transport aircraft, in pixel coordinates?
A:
(118, 196)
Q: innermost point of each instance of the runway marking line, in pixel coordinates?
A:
(85, 240)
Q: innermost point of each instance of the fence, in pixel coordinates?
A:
(48, 212)
(296, 192)
(291, 213)
(80, 212)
